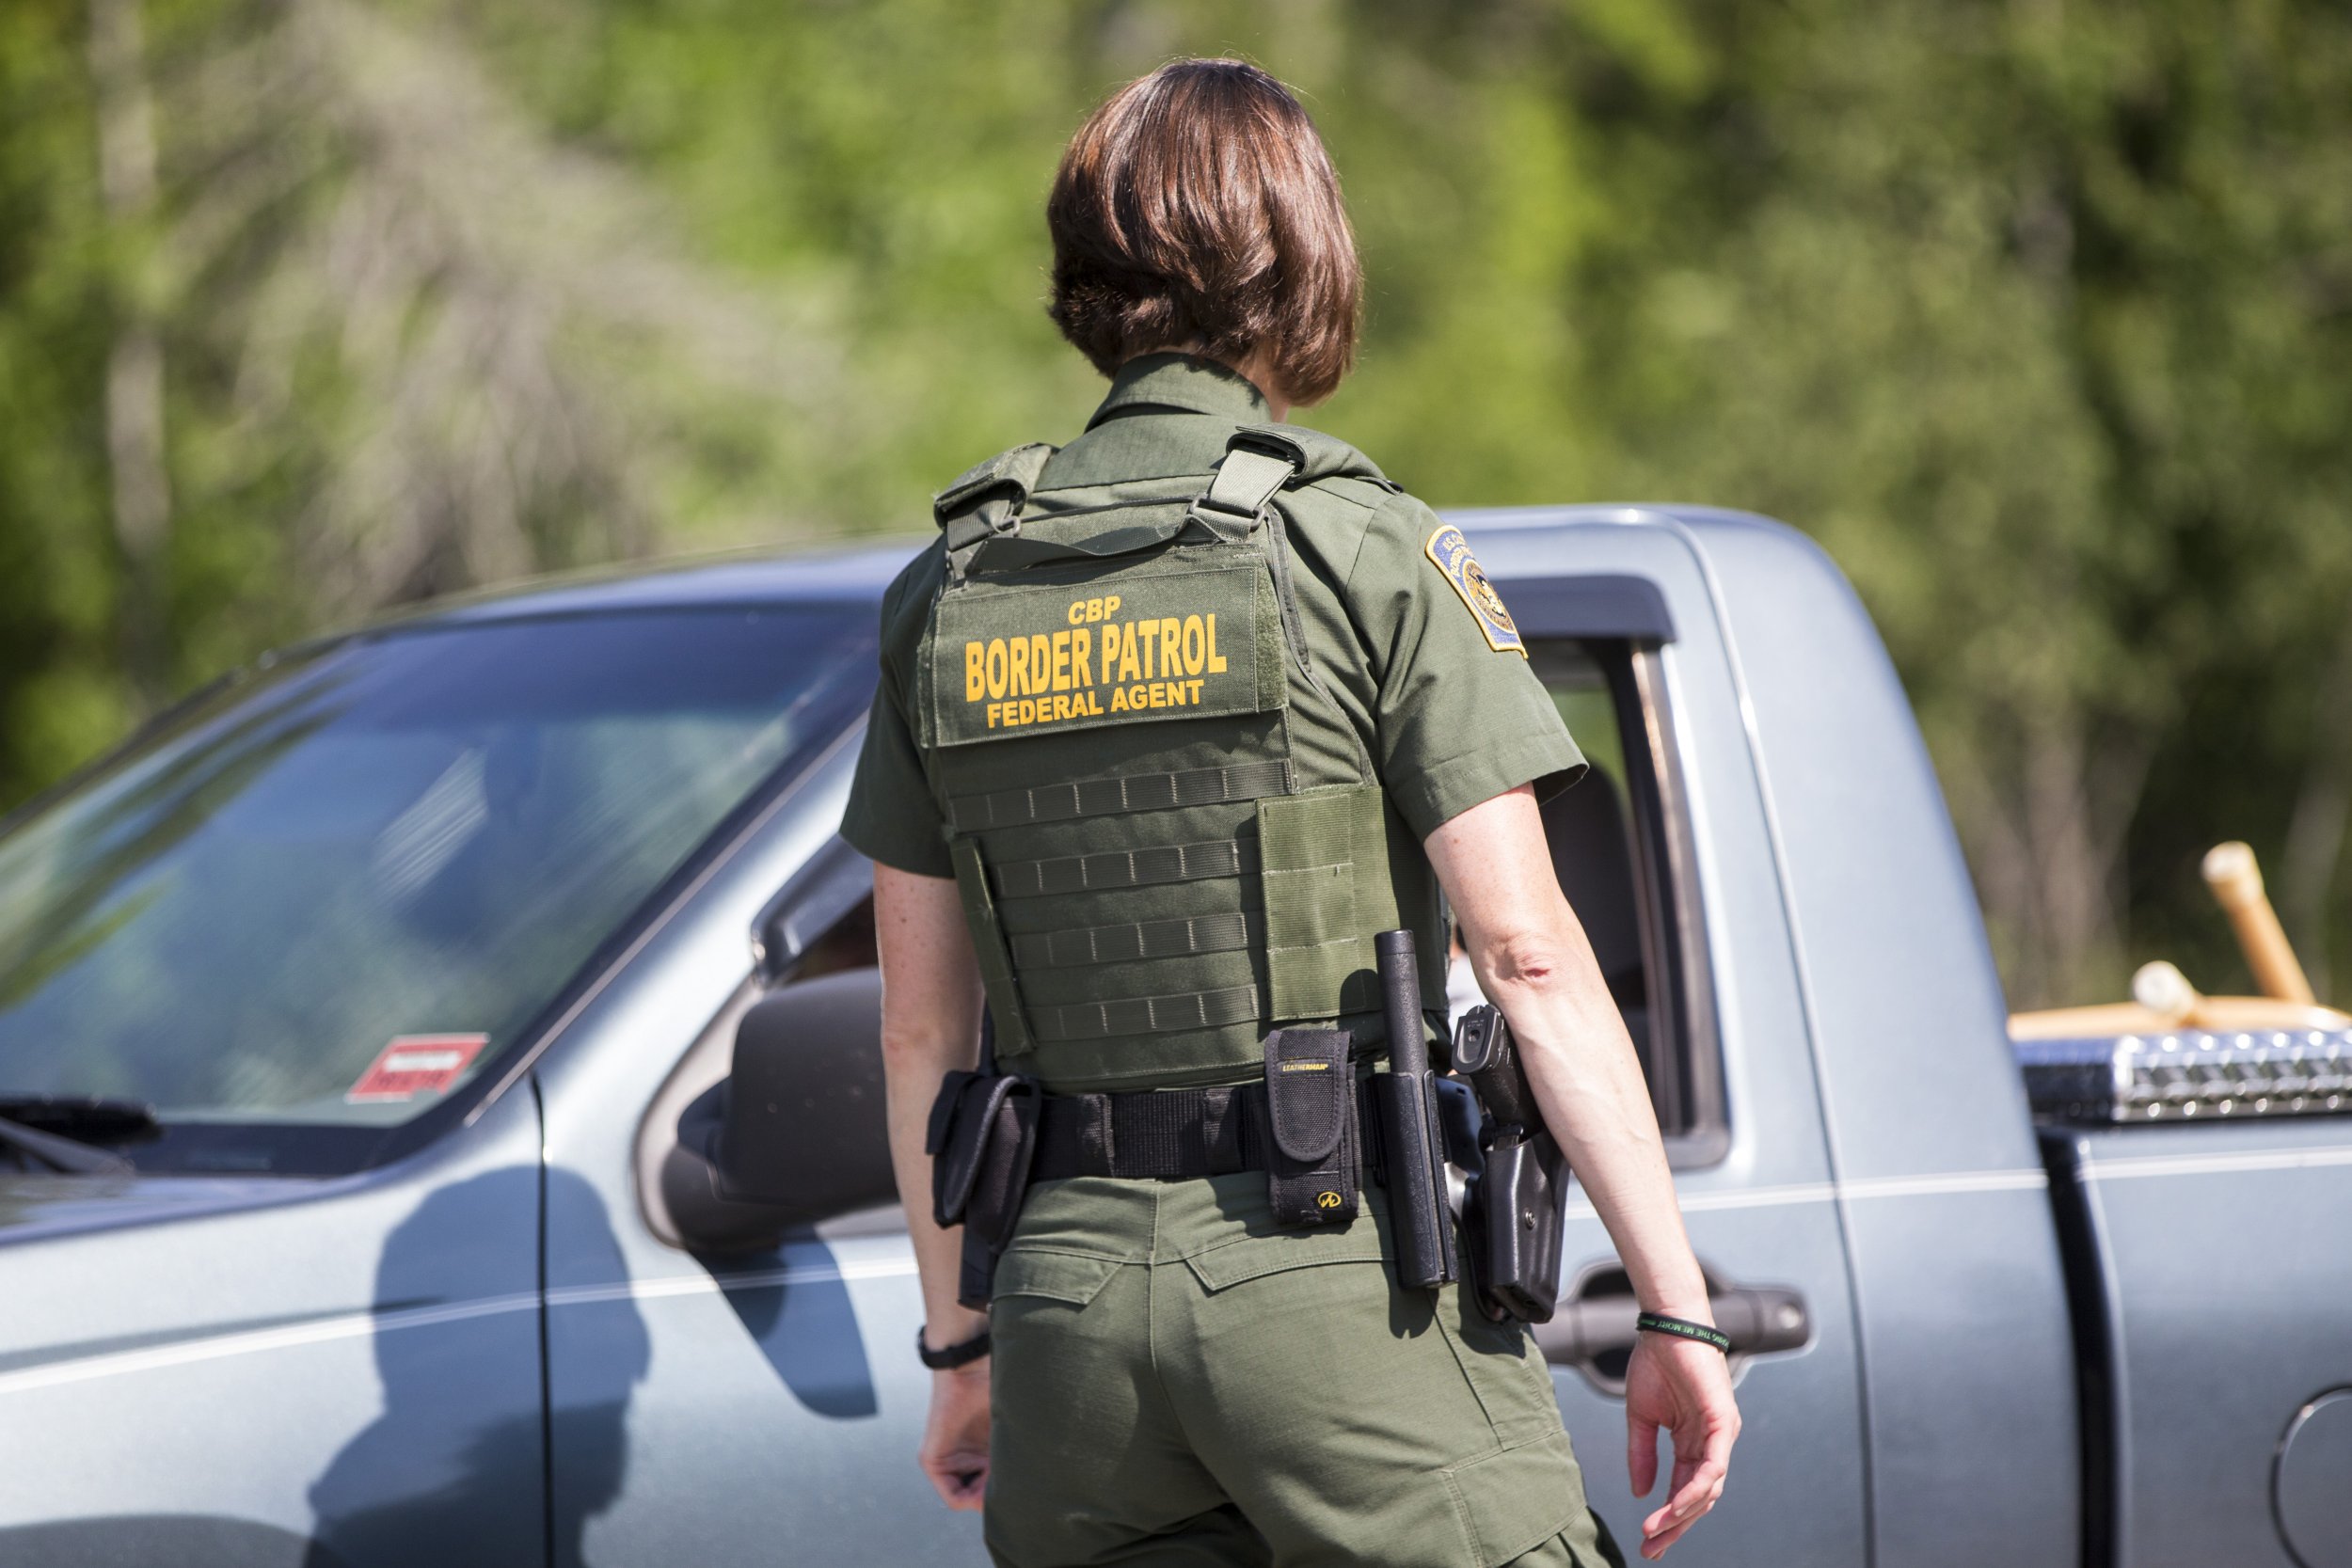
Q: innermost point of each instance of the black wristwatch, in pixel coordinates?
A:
(954, 1355)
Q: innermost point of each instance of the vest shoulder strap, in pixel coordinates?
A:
(985, 501)
(1316, 454)
(1260, 459)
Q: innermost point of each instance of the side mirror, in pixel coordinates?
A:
(796, 1133)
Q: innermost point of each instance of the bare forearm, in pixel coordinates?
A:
(931, 1027)
(1533, 960)
(1588, 1083)
(911, 1072)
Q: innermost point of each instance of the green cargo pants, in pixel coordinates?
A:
(1175, 1381)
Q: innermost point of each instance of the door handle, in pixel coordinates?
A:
(1593, 1328)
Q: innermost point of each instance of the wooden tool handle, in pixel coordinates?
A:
(2238, 886)
(2164, 991)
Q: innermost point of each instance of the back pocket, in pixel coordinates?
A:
(1247, 1258)
(1070, 1277)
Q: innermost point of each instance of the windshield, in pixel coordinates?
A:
(326, 899)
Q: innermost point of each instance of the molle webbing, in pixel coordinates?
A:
(1199, 786)
(1117, 868)
(1322, 858)
(1171, 1134)
(1145, 1015)
(988, 944)
(1135, 942)
(1248, 875)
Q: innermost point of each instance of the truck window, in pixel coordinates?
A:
(311, 914)
(1620, 847)
(849, 944)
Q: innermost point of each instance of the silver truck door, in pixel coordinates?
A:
(1969, 1405)
(1661, 851)
(748, 1405)
(284, 1372)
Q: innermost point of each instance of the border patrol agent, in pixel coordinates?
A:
(1173, 721)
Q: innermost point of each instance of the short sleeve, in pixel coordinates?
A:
(892, 818)
(1459, 720)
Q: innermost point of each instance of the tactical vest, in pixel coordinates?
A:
(1167, 837)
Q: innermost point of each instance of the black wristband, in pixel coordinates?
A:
(954, 1355)
(1683, 1328)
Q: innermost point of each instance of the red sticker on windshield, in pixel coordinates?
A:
(414, 1064)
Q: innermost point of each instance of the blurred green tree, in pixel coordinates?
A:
(2036, 316)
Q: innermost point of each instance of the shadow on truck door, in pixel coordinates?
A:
(796, 1306)
(453, 1462)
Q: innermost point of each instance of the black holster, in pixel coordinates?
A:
(1511, 1207)
(1512, 1212)
(981, 1138)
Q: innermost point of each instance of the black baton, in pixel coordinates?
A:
(1418, 1205)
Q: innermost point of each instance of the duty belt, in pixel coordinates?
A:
(1171, 1134)
(1311, 1125)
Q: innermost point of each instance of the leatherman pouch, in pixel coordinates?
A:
(956, 1139)
(1000, 1179)
(1313, 1164)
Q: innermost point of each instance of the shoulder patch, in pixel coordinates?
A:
(1450, 553)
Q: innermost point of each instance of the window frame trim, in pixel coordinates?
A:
(1669, 842)
(1692, 1107)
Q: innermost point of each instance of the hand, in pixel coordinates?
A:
(1684, 1386)
(954, 1436)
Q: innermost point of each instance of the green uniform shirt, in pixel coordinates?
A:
(1448, 718)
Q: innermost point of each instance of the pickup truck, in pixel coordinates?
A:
(441, 1110)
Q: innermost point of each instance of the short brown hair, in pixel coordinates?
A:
(1197, 209)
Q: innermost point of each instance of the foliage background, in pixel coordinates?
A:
(2036, 314)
